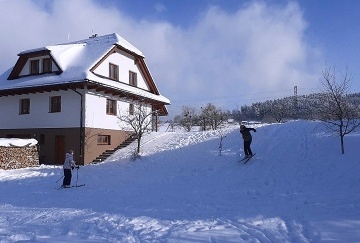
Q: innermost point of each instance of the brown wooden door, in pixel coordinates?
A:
(59, 149)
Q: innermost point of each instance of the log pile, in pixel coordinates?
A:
(15, 157)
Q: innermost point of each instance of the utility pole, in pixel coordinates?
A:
(295, 102)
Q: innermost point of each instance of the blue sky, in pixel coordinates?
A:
(227, 52)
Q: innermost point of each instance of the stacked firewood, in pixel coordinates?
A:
(18, 157)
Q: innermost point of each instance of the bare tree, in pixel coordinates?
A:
(212, 116)
(337, 111)
(188, 118)
(139, 121)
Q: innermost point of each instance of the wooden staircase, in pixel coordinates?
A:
(108, 153)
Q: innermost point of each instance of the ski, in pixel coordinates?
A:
(69, 187)
(243, 159)
(247, 159)
(78, 185)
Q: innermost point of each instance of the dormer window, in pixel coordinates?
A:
(46, 65)
(132, 78)
(34, 67)
(113, 71)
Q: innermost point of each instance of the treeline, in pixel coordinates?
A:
(307, 107)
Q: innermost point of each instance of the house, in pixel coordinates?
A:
(69, 96)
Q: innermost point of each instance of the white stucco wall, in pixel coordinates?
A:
(95, 110)
(126, 63)
(39, 116)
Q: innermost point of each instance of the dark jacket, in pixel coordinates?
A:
(246, 135)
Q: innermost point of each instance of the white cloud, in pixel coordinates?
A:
(258, 48)
(26, 24)
(159, 7)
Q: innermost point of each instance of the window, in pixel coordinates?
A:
(113, 71)
(111, 107)
(132, 79)
(46, 65)
(131, 109)
(24, 106)
(55, 104)
(34, 67)
(104, 139)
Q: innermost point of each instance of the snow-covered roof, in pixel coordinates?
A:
(17, 142)
(76, 59)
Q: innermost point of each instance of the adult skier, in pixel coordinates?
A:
(246, 135)
(69, 165)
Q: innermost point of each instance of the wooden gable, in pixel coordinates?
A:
(23, 59)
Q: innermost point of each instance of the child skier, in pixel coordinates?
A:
(246, 135)
(69, 164)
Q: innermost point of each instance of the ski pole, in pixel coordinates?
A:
(77, 176)
(59, 179)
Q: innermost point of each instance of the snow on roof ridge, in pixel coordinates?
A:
(124, 43)
(32, 50)
(113, 38)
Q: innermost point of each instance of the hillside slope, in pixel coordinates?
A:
(298, 188)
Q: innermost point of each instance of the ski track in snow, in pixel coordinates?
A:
(295, 189)
(71, 225)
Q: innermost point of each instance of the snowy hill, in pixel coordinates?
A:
(298, 188)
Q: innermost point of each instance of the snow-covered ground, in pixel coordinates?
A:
(298, 188)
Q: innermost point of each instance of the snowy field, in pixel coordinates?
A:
(298, 188)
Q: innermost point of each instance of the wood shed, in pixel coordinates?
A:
(18, 153)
